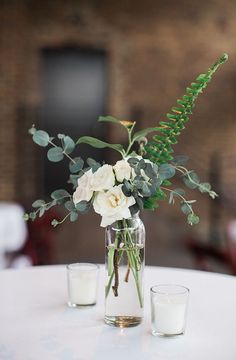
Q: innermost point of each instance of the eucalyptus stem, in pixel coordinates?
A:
(68, 156)
(184, 200)
(132, 261)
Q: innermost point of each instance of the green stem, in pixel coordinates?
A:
(184, 200)
(133, 260)
(68, 156)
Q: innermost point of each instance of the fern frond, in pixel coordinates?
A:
(160, 148)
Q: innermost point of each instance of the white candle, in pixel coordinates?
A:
(82, 284)
(169, 305)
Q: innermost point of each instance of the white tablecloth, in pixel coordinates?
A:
(36, 324)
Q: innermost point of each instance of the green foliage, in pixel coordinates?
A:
(142, 133)
(55, 154)
(109, 118)
(41, 138)
(76, 165)
(93, 164)
(99, 144)
(160, 149)
(83, 206)
(150, 180)
(60, 194)
(166, 171)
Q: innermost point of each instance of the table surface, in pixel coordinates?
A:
(36, 324)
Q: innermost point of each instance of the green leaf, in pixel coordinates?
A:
(77, 166)
(150, 203)
(55, 154)
(149, 171)
(82, 206)
(51, 204)
(69, 144)
(191, 180)
(204, 187)
(93, 164)
(59, 194)
(142, 133)
(178, 191)
(99, 144)
(126, 189)
(134, 209)
(179, 159)
(38, 203)
(166, 171)
(139, 202)
(145, 190)
(109, 119)
(133, 161)
(69, 205)
(160, 152)
(73, 216)
(187, 209)
(193, 219)
(73, 179)
(41, 138)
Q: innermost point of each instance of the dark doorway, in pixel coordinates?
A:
(74, 88)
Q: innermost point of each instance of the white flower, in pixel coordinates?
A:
(83, 190)
(113, 205)
(103, 178)
(122, 170)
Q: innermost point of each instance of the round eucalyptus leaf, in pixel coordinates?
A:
(187, 209)
(82, 206)
(193, 219)
(38, 203)
(69, 205)
(77, 165)
(55, 154)
(73, 216)
(166, 171)
(59, 194)
(41, 138)
(69, 144)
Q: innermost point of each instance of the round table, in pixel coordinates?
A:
(36, 324)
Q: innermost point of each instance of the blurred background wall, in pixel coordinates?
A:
(63, 63)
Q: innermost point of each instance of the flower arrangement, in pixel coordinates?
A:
(139, 180)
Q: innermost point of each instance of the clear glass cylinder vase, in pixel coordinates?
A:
(125, 245)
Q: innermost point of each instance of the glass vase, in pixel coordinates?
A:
(125, 241)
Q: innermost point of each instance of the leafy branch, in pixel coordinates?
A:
(186, 205)
(159, 150)
(192, 181)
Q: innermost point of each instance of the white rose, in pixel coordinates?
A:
(113, 205)
(122, 170)
(103, 178)
(83, 190)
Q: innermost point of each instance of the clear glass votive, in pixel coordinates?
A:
(169, 309)
(82, 279)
